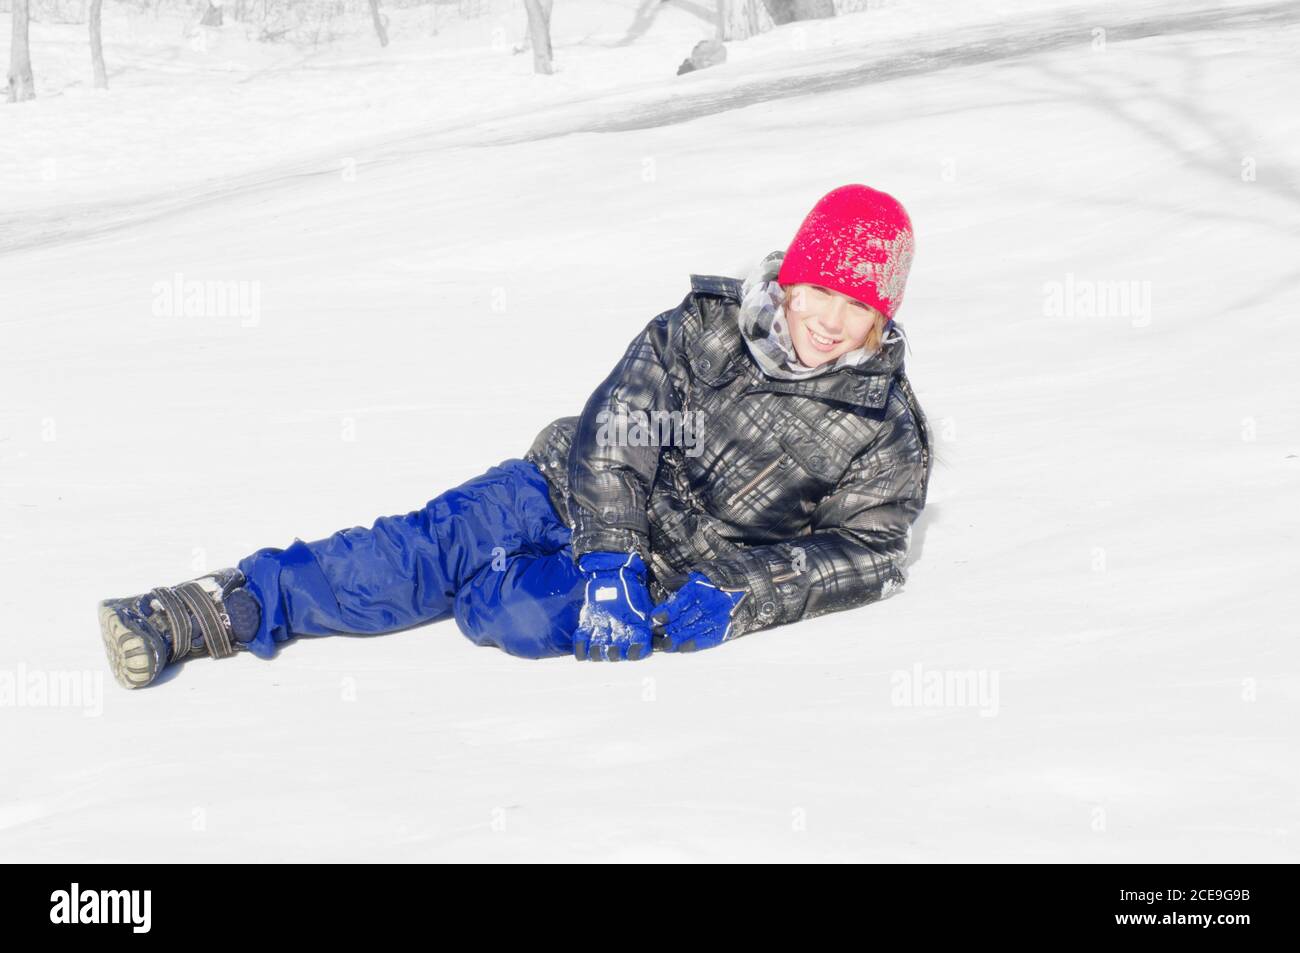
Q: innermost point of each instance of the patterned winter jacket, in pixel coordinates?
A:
(801, 493)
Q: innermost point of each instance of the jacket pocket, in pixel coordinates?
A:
(713, 360)
(780, 463)
(823, 463)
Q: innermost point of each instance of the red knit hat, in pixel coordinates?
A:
(856, 241)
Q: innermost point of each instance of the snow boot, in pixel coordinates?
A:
(213, 615)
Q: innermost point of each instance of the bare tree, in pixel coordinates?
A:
(22, 86)
(97, 46)
(380, 30)
(539, 33)
(741, 19)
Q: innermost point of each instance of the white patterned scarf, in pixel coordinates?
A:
(767, 335)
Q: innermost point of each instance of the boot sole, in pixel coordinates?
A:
(131, 656)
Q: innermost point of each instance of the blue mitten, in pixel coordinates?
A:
(696, 616)
(615, 620)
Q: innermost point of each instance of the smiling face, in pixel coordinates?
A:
(825, 324)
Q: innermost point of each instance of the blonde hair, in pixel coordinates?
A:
(876, 336)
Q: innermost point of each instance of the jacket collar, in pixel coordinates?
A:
(866, 385)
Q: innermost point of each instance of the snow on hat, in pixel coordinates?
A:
(856, 241)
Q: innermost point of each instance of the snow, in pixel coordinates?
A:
(1094, 658)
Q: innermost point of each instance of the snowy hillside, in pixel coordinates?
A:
(437, 252)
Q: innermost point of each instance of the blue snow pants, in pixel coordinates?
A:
(492, 553)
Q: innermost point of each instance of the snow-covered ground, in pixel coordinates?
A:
(439, 252)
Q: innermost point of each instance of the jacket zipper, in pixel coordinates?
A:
(754, 482)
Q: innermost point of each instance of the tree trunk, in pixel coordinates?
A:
(97, 46)
(741, 19)
(22, 86)
(380, 31)
(539, 31)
